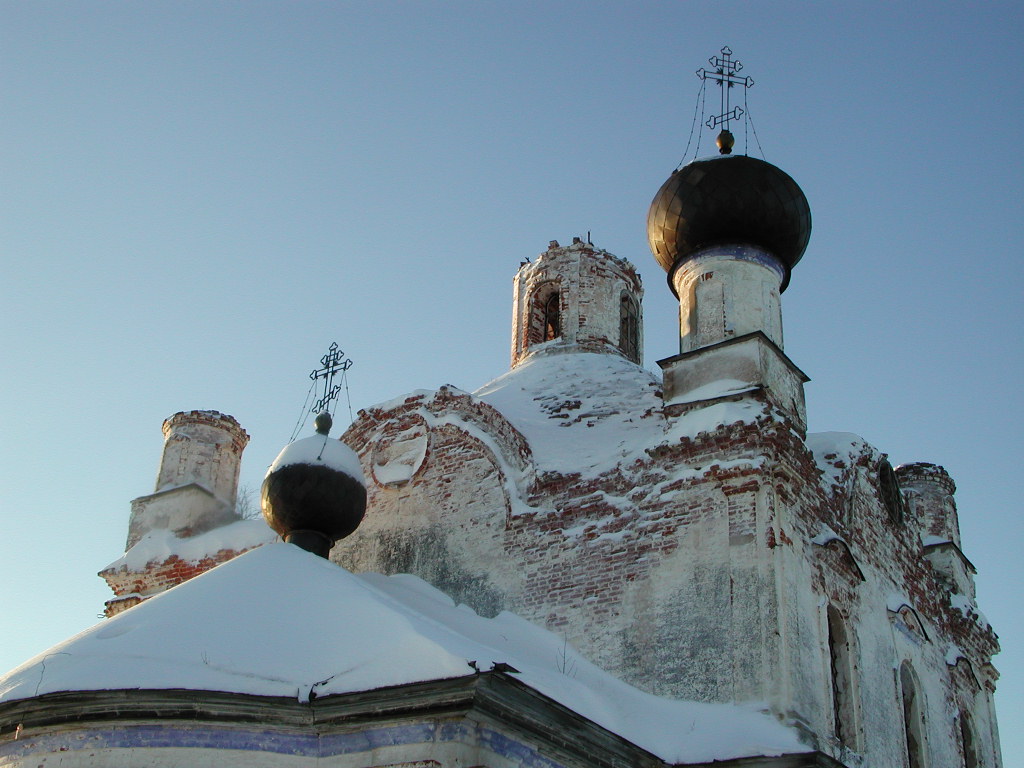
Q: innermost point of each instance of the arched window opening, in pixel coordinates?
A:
(552, 317)
(913, 717)
(629, 328)
(972, 755)
(841, 661)
(889, 488)
(545, 314)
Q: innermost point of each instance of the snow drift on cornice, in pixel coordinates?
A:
(581, 412)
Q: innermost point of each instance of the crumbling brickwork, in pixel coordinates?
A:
(696, 542)
(590, 285)
(702, 556)
(131, 587)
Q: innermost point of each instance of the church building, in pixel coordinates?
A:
(675, 543)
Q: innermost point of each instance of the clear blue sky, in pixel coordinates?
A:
(199, 197)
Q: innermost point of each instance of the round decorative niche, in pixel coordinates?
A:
(400, 451)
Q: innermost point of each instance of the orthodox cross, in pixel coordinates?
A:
(333, 362)
(726, 77)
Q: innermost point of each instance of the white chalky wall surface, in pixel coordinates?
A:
(692, 541)
(685, 551)
(202, 448)
(727, 292)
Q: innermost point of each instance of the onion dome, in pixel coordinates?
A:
(729, 200)
(314, 493)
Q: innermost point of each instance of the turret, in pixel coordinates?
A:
(728, 230)
(198, 477)
(577, 298)
(929, 491)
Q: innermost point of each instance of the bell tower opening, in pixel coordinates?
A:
(551, 326)
(629, 327)
(544, 321)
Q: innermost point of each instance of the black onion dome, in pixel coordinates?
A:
(314, 493)
(729, 200)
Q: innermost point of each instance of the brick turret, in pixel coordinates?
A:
(930, 489)
(577, 297)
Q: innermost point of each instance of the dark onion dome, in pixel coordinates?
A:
(314, 493)
(729, 200)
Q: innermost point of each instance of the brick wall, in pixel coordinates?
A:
(689, 569)
(131, 587)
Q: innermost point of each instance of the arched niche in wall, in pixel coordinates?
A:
(709, 309)
(838, 555)
(629, 327)
(545, 313)
(973, 712)
(843, 669)
(913, 707)
(908, 621)
(969, 741)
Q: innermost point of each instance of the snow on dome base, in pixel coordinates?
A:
(581, 412)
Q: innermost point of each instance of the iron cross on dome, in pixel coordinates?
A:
(726, 77)
(333, 362)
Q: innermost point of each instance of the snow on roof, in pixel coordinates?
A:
(159, 545)
(825, 535)
(896, 600)
(719, 388)
(968, 609)
(580, 411)
(954, 654)
(240, 628)
(690, 424)
(835, 453)
(321, 450)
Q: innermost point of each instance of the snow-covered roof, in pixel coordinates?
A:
(835, 453)
(278, 621)
(160, 545)
(580, 411)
